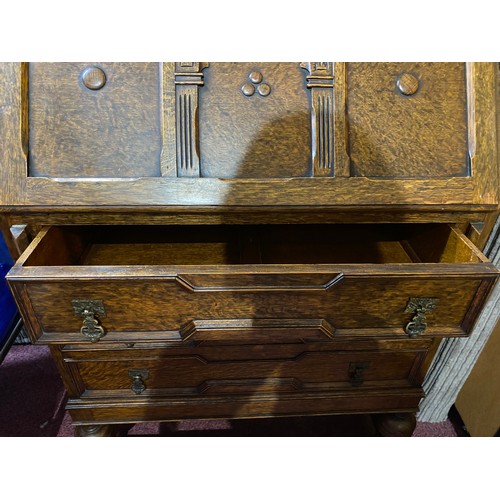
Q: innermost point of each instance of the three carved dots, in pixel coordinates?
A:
(255, 83)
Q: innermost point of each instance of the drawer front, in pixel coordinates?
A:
(102, 411)
(249, 285)
(250, 307)
(250, 370)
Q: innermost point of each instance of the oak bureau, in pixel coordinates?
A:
(237, 240)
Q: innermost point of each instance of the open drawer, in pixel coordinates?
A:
(249, 284)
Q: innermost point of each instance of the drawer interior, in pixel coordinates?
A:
(268, 244)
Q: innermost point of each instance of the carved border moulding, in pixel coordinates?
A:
(320, 81)
(188, 77)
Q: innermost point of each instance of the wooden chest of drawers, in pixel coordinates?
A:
(247, 239)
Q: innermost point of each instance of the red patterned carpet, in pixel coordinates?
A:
(32, 401)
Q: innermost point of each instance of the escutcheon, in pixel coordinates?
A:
(356, 372)
(138, 377)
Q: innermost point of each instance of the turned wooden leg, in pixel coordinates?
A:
(96, 430)
(395, 424)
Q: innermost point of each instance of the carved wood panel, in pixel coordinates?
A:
(94, 120)
(188, 77)
(320, 81)
(165, 135)
(255, 121)
(407, 119)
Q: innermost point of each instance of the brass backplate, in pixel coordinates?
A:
(86, 306)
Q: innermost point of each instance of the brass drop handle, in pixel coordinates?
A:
(91, 327)
(420, 306)
(356, 372)
(91, 310)
(138, 377)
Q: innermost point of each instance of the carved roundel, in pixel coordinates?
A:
(93, 78)
(255, 77)
(264, 89)
(407, 84)
(248, 89)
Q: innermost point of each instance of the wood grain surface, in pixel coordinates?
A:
(118, 143)
(164, 409)
(78, 132)
(242, 273)
(384, 125)
(355, 299)
(248, 370)
(256, 137)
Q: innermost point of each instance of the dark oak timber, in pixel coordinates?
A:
(267, 165)
(395, 424)
(245, 239)
(95, 431)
